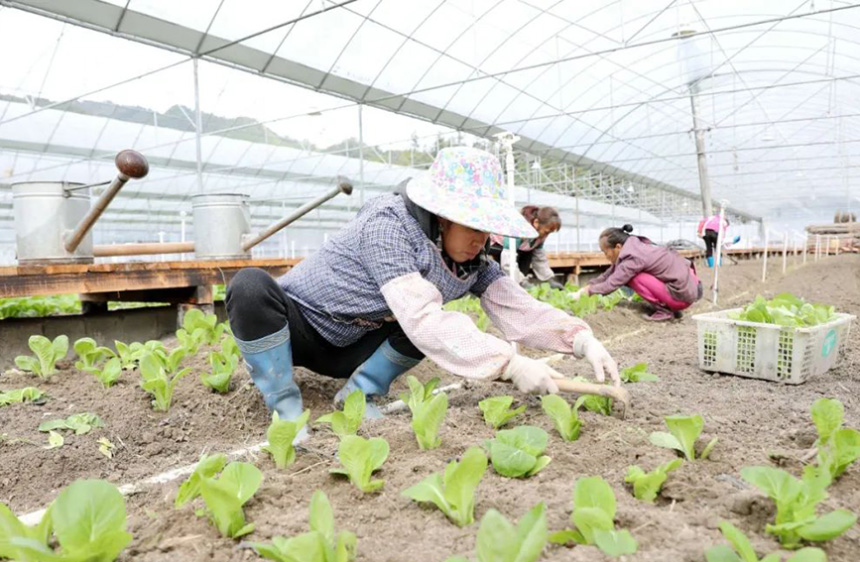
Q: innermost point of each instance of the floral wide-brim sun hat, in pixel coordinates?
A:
(465, 185)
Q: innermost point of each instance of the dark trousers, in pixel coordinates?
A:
(711, 237)
(524, 259)
(258, 307)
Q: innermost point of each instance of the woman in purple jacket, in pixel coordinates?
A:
(659, 275)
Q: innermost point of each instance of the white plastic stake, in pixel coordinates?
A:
(764, 258)
(720, 236)
(784, 251)
(805, 248)
(827, 247)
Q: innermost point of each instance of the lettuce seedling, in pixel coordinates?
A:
(428, 411)
(785, 310)
(207, 467)
(838, 447)
(594, 518)
(646, 485)
(517, 453)
(155, 381)
(55, 440)
(565, 416)
(223, 366)
(638, 373)
(453, 490)
(499, 541)
(348, 421)
(281, 434)
(170, 359)
(81, 424)
(131, 354)
(224, 497)
(497, 410)
(47, 352)
(742, 550)
(685, 430)
(199, 328)
(19, 395)
(360, 459)
(90, 353)
(87, 520)
(109, 373)
(796, 504)
(319, 545)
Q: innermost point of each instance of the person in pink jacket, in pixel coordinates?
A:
(709, 231)
(658, 274)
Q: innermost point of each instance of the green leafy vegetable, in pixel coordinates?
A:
(319, 545)
(638, 373)
(594, 518)
(156, 382)
(281, 434)
(170, 359)
(646, 485)
(742, 550)
(19, 395)
(90, 353)
(785, 310)
(223, 366)
(518, 452)
(199, 328)
(428, 411)
(55, 440)
(796, 504)
(453, 491)
(207, 467)
(497, 410)
(565, 416)
(30, 307)
(360, 459)
(79, 423)
(598, 404)
(838, 447)
(131, 354)
(348, 421)
(499, 541)
(224, 497)
(47, 353)
(110, 372)
(684, 431)
(106, 447)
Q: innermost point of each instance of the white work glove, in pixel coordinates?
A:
(576, 295)
(594, 352)
(532, 376)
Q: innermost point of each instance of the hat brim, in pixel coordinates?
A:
(495, 216)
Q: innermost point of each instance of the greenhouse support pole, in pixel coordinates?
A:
(507, 140)
(805, 248)
(764, 258)
(704, 178)
(361, 156)
(720, 239)
(784, 252)
(198, 128)
(827, 246)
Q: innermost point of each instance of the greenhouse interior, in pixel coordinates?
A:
(437, 280)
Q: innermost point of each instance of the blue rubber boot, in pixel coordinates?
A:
(270, 364)
(711, 261)
(374, 377)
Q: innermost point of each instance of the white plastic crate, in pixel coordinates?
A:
(767, 351)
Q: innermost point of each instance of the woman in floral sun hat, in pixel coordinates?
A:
(368, 306)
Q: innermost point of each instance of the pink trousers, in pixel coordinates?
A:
(655, 291)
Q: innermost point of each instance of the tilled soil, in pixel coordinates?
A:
(758, 423)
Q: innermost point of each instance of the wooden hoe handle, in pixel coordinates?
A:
(619, 395)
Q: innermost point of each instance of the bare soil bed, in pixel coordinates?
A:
(755, 422)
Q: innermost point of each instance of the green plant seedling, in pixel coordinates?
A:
(207, 467)
(428, 411)
(47, 353)
(594, 519)
(87, 521)
(109, 373)
(281, 434)
(20, 395)
(348, 421)
(90, 353)
(453, 490)
(518, 452)
(360, 459)
(684, 431)
(156, 382)
(170, 359)
(838, 447)
(597, 404)
(796, 504)
(646, 485)
(81, 424)
(638, 373)
(55, 440)
(497, 410)
(742, 550)
(199, 328)
(500, 541)
(106, 447)
(223, 366)
(224, 497)
(320, 544)
(564, 416)
(131, 354)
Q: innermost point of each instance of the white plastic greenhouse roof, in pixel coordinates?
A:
(605, 84)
